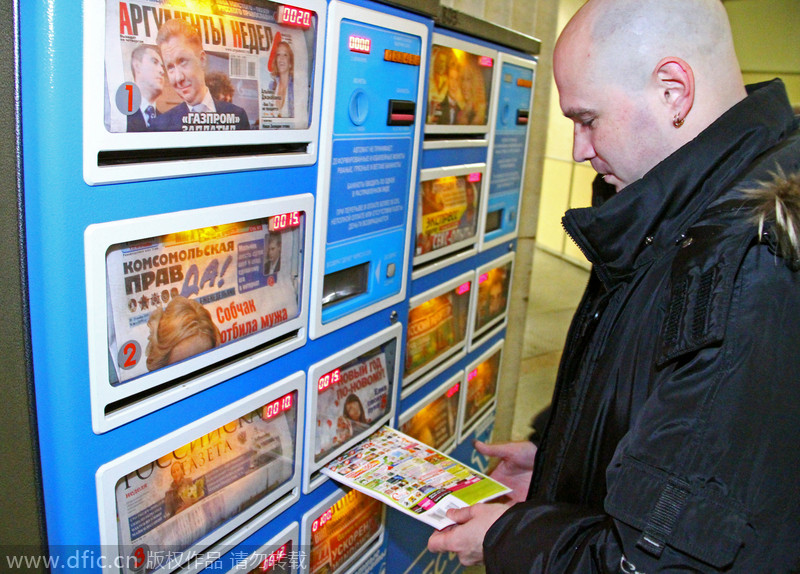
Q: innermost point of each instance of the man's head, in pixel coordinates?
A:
(182, 50)
(274, 247)
(641, 78)
(148, 71)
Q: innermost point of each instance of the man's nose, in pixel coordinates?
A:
(582, 148)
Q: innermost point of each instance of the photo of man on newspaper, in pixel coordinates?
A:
(236, 67)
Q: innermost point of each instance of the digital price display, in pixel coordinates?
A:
(485, 61)
(328, 379)
(344, 532)
(293, 16)
(401, 57)
(277, 561)
(359, 44)
(285, 221)
(275, 408)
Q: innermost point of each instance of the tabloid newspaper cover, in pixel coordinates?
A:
(176, 296)
(230, 65)
(435, 424)
(458, 87)
(183, 495)
(447, 213)
(349, 400)
(412, 477)
(342, 530)
(436, 326)
(492, 295)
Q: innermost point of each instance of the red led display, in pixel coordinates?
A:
(322, 520)
(359, 44)
(327, 380)
(485, 61)
(452, 390)
(292, 16)
(483, 277)
(472, 374)
(464, 288)
(474, 177)
(275, 408)
(284, 221)
(274, 560)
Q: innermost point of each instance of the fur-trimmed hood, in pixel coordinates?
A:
(777, 212)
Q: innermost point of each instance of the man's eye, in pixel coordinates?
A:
(588, 123)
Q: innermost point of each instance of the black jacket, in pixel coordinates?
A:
(674, 441)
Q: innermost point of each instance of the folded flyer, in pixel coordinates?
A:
(412, 477)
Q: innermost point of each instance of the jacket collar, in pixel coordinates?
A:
(637, 225)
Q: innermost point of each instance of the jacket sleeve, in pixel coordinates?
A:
(536, 537)
(706, 478)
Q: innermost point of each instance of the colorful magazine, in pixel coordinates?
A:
(412, 477)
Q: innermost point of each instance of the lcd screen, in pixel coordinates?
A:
(173, 66)
(282, 560)
(171, 503)
(435, 327)
(179, 295)
(447, 212)
(341, 533)
(352, 397)
(459, 85)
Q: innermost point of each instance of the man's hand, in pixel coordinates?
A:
(465, 538)
(515, 467)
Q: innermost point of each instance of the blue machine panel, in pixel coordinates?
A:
(509, 149)
(367, 166)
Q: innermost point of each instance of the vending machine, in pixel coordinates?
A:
(480, 90)
(173, 165)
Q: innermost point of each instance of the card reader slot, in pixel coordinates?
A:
(401, 113)
(136, 156)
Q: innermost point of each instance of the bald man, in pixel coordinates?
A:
(672, 444)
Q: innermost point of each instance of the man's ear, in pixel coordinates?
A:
(675, 83)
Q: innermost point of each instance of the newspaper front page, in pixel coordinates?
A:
(412, 477)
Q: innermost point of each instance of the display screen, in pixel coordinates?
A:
(435, 327)
(171, 503)
(493, 289)
(343, 531)
(435, 424)
(352, 397)
(459, 85)
(481, 386)
(447, 212)
(281, 560)
(175, 66)
(183, 294)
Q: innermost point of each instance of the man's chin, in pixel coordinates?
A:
(611, 180)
